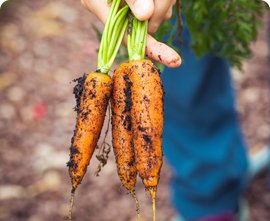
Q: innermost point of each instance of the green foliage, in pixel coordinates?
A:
(224, 27)
(136, 38)
(112, 36)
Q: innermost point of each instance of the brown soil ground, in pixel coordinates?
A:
(44, 45)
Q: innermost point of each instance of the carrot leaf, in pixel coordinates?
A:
(136, 43)
(112, 36)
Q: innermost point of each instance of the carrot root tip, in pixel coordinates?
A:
(72, 195)
(138, 209)
(153, 191)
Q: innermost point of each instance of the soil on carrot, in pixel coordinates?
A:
(128, 95)
(43, 45)
(78, 90)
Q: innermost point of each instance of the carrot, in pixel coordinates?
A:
(121, 128)
(121, 103)
(92, 94)
(92, 104)
(147, 122)
(146, 111)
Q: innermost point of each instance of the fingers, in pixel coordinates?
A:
(142, 9)
(94, 6)
(162, 53)
(162, 12)
(155, 50)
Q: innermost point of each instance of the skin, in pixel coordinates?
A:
(156, 12)
(147, 120)
(91, 109)
(122, 129)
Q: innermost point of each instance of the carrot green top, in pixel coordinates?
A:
(137, 32)
(112, 36)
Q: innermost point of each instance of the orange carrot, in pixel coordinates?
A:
(121, 127)
(147, 109)
(121, 103)
(147, 121)
(92, 93)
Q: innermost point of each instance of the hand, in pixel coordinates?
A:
(143, 10)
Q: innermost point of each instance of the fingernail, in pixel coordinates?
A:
(175, 61)
(143, 9)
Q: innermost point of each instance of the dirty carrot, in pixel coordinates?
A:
(146, 111)
(147, 122)
(121, 127)
(121, 103)
(92, 95)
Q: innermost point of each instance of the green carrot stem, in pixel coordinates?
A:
(112, 36)
(119, 23)
(129, 43)
(101, 56)
(114, 10)
(116, 18)
(136, 42)
(119, 41)
(133, 35)
(144, 37)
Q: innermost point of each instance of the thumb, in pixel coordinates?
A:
(142, 9)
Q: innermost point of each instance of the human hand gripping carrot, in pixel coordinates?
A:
(144, 10)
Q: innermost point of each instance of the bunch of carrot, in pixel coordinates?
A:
(136, 96)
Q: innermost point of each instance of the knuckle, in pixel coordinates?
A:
(168, 15)
(153, 28)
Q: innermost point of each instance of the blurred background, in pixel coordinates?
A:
(44, 45)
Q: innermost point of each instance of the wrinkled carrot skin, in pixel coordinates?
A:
(91, 108)
(121, 103)
(147, 121)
